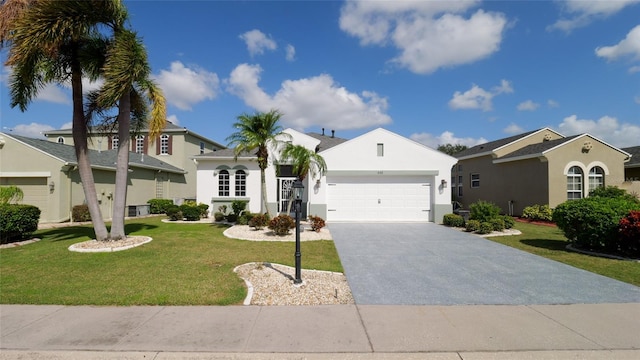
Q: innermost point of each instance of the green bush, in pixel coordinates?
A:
(204, 210)
(238, 206)
(538, 212)
(472, 225)
(17, 221)
(232, 218)
(174, 213)
(613, 192)
(497, 224)
(281, 224)
(483, 211)
(259, 221)
(317, 223)
(454, 220)
(218, 216)
(245, 218)
(159, 206)
(10, 194)
(509, 222)
(485, 228)
(190, 211)
(592, 222)
(81, 213)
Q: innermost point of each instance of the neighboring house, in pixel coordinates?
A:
(537, 167)
(175, 146)
(48, 175)
(378, 176)
(632, 171)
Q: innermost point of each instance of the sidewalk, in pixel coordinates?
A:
(589, 331)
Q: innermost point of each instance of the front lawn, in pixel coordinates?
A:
(185, 264)
(549, 242)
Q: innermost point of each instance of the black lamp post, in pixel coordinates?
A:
(298, 190)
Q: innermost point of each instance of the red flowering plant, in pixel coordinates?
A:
(629, 231)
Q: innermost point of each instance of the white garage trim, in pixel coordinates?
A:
(383, 172)
(379, 198)
(26, 174)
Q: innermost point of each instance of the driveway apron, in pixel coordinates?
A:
(429, 264)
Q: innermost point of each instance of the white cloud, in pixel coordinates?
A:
(184, 87)
(173, 119)
(582, 13)
(314, 101)
(634, 69)
(607, 128)
(33, 130)
(67, 125)
(54, 94)
(552, 103)
(636, 99)
(429, 34)
(478, 98)
(257, 42)
(513, 129)
(291, 52)
(447, 137)
(629, 46)
(528, 105)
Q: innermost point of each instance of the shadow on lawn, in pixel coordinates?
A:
(554, 245)
(74, 232)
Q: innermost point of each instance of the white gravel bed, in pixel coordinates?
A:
(272, 284)
(245, 232)
(110, 246)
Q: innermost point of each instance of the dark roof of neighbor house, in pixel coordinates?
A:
(224, 153)
(635, 156)
(104, 159)
(538, 148)
(326, 141)
(492, 145)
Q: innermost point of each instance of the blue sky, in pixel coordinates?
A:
(434, 71)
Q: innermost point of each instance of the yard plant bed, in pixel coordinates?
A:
(550, 242)
(183, 265)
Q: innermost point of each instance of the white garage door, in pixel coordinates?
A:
(35, 189)
(380, 198)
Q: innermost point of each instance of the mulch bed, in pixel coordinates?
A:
(536, 222)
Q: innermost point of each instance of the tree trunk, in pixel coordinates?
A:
(122, 168)
(263, 182)
(80, 136)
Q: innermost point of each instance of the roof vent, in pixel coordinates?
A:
(333, 133)
(587, 146)
(547, 137)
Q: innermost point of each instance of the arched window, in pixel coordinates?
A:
(60, 140)
(115, 141)
(140, 144)
(241, 183)
(596, 178)
(223, 183)
(164, 144)
(574, 183)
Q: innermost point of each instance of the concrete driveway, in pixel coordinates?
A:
(429, 264)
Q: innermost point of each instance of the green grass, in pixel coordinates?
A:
(185, 264)
(549, 242)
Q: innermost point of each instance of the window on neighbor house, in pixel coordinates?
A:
(114, 142)
(241, 183)
(164, 144)
(140, 144)
(223, 183)
(475, 180)
(574, 183)
(460, 190)
(201, 148)
(380, 150)
(60, 140)
(459, 167)
(596, 178)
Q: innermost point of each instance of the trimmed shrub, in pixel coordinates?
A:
(281, 224)
(204, 210)
(483, 211)
(592, 222)
(159, 206)
(174, 213)
(222, 209)
(485, 228)
(81, 213)
(218, 216)
(538, 212)
(497, 224)
(245, 218)
(259, 221)
(613, 192)
(238, 206)
(629, 232)
(509, 222)
(472, 225)
(190, 212)
(454, 220)
(317, 223)
(17, 221)
(232, 218)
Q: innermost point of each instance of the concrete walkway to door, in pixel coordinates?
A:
(429, 264)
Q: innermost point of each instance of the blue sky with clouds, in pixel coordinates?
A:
(434, 71)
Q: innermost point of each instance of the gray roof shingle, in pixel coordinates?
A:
(538, 148)
(492, 145)
(327, 142)
(635, 156)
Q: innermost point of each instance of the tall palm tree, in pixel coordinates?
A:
(126, 72)
(258, 132)
(49, 42)
(304, 162)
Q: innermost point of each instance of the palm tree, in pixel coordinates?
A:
(49, 42)
(304, 162)
(126, 72)
(258, 132)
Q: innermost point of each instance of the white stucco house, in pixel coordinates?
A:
(378, 176)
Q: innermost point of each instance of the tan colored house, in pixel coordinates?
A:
(175, 146)
(632, 171)
(48, 175)
(537, 167)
